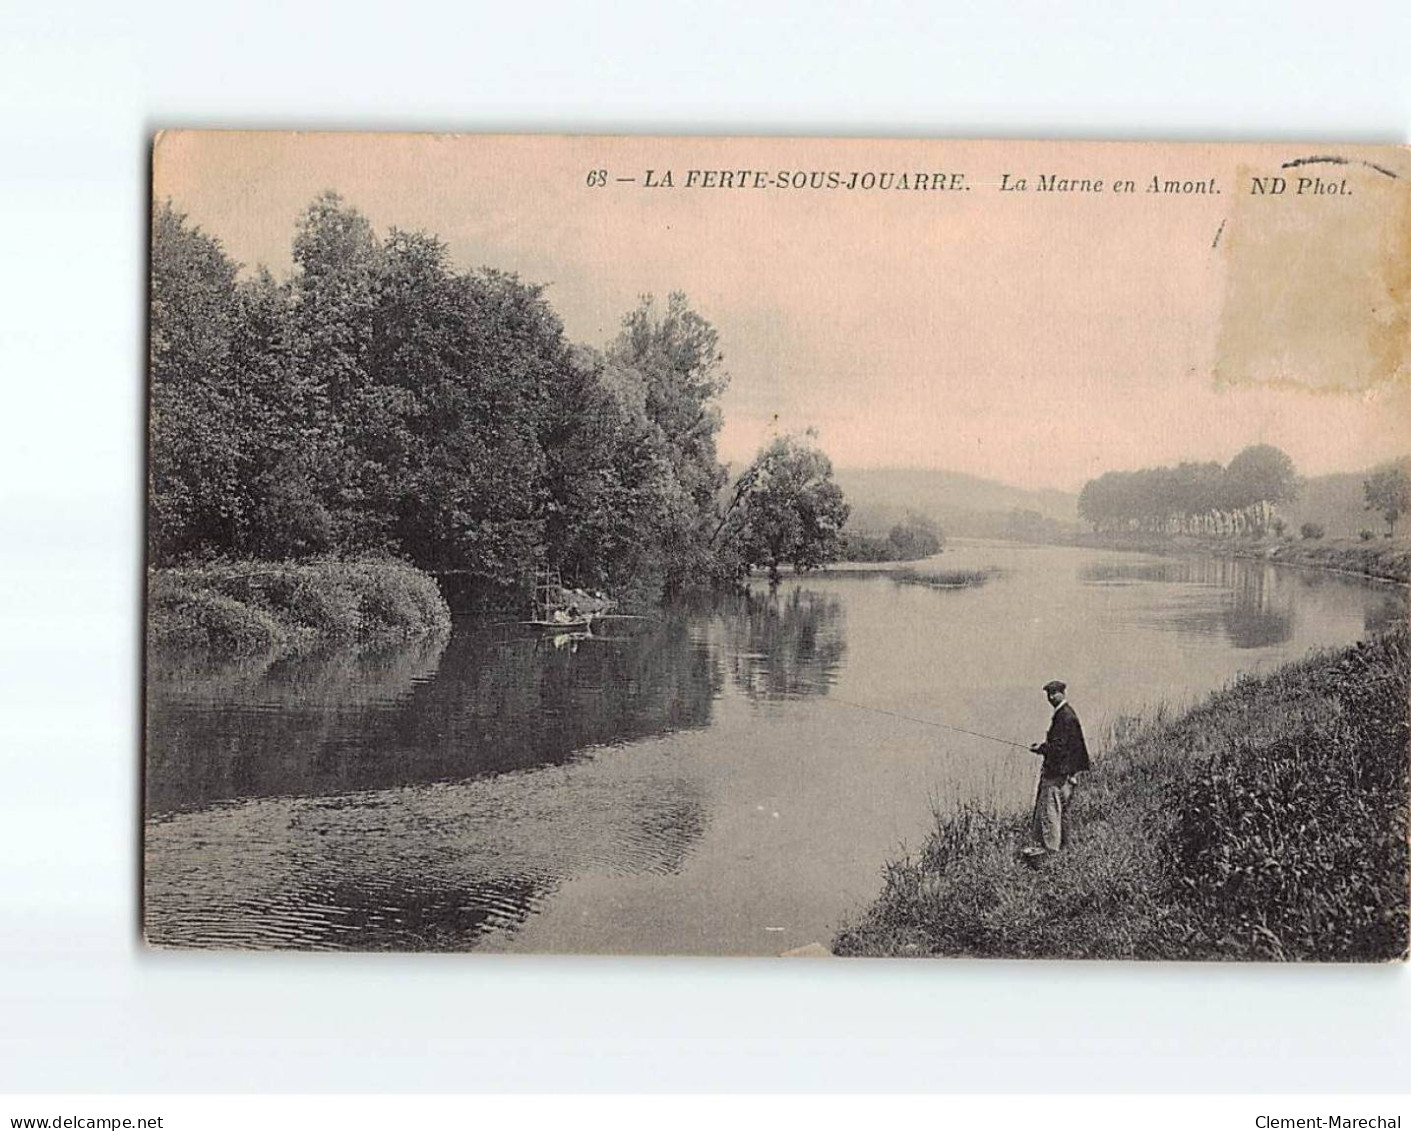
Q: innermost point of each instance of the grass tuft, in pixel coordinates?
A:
(945, 578)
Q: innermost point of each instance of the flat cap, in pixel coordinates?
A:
(1055, 685)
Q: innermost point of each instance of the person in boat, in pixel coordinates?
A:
(570, 615)
(1065, 755)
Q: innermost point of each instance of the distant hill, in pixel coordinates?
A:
(962, 504)
(1335, 501)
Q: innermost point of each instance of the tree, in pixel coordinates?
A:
(1388, 491)
(333, 304)
(914, 538)
(1193, 497)
(287, 513)
(1096, 502)
(1200, 492)
(609, 482)
(1258, 479)
(673, 358)
(1027, 525)
(195, 491)
(467, 370)
(789, 509)
(380, 399)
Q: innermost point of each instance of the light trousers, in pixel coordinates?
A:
(1049, 806)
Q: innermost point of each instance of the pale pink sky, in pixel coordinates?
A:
(1038, 339)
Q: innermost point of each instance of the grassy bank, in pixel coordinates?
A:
(248, 608)
(1382, 558)
(1269, 822)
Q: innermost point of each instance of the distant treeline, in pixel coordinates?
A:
(378, 399)
(1193, 498)
(1018, 524)
(912, 539)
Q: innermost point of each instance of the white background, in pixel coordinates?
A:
(83, 1008)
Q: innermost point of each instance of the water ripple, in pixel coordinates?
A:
(421, 868)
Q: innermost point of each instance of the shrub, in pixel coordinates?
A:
(865, 548)
(434, 615)
(247, 607)
(915, 538)
(1311, 531)
(332, 609)
(390, 604)
(1365, 535)
(181, 618)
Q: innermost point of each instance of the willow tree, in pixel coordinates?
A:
(787, 508)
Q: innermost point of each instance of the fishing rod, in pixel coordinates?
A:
(924, 722)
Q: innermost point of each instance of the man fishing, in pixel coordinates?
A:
(1065, 755)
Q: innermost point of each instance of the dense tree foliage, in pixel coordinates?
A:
(195, 485)
(786, 509)
(379, 398)
(1388, 492)
(1193, 498)
(912, 539)
(667, 366)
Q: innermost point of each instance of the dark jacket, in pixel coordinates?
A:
(1063, 749)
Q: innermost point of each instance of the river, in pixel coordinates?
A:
(728, 778)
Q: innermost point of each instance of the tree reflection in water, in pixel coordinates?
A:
(490, 700)
(786, 647)
(1261, 613)
(1256, 609)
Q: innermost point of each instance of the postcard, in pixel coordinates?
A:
(778, 546)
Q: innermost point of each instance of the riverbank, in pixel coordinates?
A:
(1269, 822)
(249, 607)
(1380, 559)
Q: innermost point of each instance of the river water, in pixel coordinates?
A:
(728, 778)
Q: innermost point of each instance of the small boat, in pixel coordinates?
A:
(560, 609)
(567, 624)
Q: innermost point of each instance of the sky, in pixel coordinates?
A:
(1035, 338)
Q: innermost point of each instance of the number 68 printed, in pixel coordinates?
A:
(597, 178)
